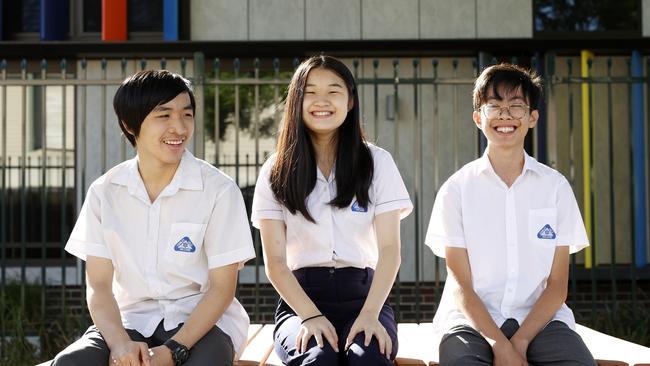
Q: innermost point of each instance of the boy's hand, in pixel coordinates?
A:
(318, 328)
(161, 356)
(370, 326)
(130, 353)
(506, 355)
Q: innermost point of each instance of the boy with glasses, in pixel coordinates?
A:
(506, 225)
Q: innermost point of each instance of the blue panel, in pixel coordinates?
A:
(170, 20)
(638, 163)
(54, 20)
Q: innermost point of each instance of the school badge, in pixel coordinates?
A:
(185, 245)
(546, 232)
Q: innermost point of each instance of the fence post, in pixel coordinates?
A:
(199, 77)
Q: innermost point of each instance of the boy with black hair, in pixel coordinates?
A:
(506, 225)
(163, 236)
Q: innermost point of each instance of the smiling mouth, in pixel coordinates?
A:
(176, 142)
(321, 113)
(505, 129)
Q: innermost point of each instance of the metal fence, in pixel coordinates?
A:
(418, 109)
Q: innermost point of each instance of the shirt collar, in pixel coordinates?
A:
(188, 176)
(529, 164)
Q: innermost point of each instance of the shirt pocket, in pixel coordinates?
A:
(185, 242)
(542, 226)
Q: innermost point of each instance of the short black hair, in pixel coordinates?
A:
(140, 93)
(511, 77)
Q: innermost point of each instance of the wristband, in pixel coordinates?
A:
(310, 318)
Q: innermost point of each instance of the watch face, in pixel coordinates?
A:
(181, 354)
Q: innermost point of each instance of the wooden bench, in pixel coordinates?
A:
(416, 347)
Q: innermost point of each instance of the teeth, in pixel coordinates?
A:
(505, 129)
(173, 142)
(321, 113)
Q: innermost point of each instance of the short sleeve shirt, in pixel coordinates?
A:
(341, 237)
(510, 234)
(162, 251)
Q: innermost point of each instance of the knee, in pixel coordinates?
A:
(315, 356)
(358, 354)
(70, 359)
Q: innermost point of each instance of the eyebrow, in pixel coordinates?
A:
(333, 84)
(162, 108)
(516, 98)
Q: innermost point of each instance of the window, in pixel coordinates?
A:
(587, 17)
(21, 19)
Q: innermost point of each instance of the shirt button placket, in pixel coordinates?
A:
(512, 254)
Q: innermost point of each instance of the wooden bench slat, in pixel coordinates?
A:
(259, 348)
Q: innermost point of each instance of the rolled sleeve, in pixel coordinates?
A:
(446, 223)
(265, 206)
(571, 228)
(389, 188)
(228, 237)
(86, 237)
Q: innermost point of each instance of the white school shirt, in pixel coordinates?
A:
(341, 237)
(162, 251)
(510, 235)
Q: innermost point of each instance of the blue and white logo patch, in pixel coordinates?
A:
(546, 232)
(356, 208)
(185, 245)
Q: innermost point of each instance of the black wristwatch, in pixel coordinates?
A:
(180, 353)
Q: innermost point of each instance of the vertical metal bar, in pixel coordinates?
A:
(236, 65)
(199, 116)
(23, 188)
(574, 280)
(276, 93)
(81, 141)
(256, 234)
(43, 187)
(633, 274)
(612, 201)
(375, 91)
(103, 64)
(217, 127)
(3, 204)
(64, 195)
(590, 137)
(417, 128)
(436, 168)
(123, 141)
(454, 124)
(398, 284)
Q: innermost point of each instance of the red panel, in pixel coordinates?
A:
(113, 20)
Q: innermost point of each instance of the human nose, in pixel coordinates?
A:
(177, 125)
(507, 109)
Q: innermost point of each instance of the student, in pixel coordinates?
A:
(163, 236)
(329, 205)
(506, 225)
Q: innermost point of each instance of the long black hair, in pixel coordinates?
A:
(293, 175)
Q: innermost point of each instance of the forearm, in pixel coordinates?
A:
(384, 277)
(473, 308)
(542, 312)
(287, 286)
(207, 312)
(106, 317)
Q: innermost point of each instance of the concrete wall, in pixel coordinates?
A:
(236, 20)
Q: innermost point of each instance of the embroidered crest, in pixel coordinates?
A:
(546, 232)
(356, 208)
(185, 245)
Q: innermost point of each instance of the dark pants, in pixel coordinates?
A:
(339, 294)
(215, 348)
(555, 345)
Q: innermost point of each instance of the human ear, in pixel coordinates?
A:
(534, 117)
(476, 116)
(350, 103)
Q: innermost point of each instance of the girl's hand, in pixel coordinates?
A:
(318, 327)
(371, 326)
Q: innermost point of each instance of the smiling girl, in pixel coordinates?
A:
(329, 205)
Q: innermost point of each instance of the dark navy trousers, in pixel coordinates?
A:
(339, 294)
